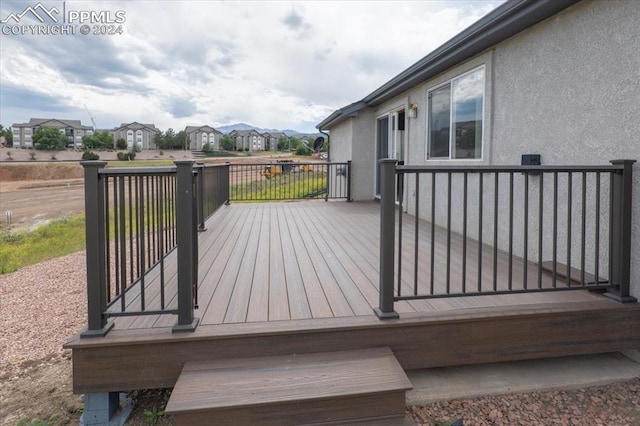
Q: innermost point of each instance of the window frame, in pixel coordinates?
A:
(449, 82)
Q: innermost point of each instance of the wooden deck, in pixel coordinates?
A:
(290, 278)
(316, 259)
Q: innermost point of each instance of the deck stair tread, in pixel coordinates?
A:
(292, 389)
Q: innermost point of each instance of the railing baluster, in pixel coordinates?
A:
(465, 191)
(525, 239)
(540, 228)
(122, 241)
(141, 242)
(433, 234)
(495, 231)
(448, 283)
(510, 285)
(416, 236)
(107, 230)
(583, 229)
(569, 214)
(400, 178)
(596, 254)
(480, 204)
(554, 265)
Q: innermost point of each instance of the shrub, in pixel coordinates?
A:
(303, 150)
(89, 155)
(121, 144)
(126, 156)
(207, 147)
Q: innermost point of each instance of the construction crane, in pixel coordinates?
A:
(93, 120)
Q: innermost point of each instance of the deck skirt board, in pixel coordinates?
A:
(293, 388)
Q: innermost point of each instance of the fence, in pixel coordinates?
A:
(503, 229)
(286, 180)
(141, 227)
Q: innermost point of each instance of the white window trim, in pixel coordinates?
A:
(484, 116)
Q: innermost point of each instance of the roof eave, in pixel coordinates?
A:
(504, 22)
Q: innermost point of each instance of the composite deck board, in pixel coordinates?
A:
(258, 309)
(296, 291)
(314, 259)
(278, 297)
(318, 303)
(337, 301)
(219, 305)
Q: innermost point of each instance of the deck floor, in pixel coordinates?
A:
(302, 260)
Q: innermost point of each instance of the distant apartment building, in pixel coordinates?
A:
(142, 135)
(271, 140)
(198, 137)
(72, 129)
(248, 140)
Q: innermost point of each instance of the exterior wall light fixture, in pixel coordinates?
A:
(413, 110)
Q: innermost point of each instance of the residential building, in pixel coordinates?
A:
(548, 78)
(271, 140)
(72, 129)
(199, 136)
(142, 135)
(248, 140)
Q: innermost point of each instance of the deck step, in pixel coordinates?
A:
(294, 389)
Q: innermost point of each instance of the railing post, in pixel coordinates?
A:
(387, 238)
(185, 225)
(349, 181)
(98, 324)
(226, 187)
(620, 241)
(200, 197)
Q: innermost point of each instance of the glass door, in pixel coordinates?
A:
(390, 140)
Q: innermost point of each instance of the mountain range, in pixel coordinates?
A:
(244, 126)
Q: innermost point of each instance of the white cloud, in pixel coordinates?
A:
(271, 64)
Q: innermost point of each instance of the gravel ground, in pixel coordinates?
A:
(42, 305)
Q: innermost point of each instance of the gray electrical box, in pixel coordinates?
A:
(531, 160)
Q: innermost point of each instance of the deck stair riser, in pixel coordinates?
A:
(292, 389)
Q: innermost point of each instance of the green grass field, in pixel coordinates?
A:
(293, 186)
(55, 239)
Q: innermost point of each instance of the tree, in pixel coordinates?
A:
(99, 140)
(158, 140)
(49, 138)
(288, 143)
(227, 143)
(8, 135)
(121, 143)
(180, 140)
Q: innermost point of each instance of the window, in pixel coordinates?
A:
(455, 117)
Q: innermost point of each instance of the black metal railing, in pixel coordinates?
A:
(136, 218)
(288, 180)
(487, 230)
(213, 190)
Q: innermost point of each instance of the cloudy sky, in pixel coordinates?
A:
(284, 65)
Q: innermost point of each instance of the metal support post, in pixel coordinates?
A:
(185, 193)
(387, 238)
